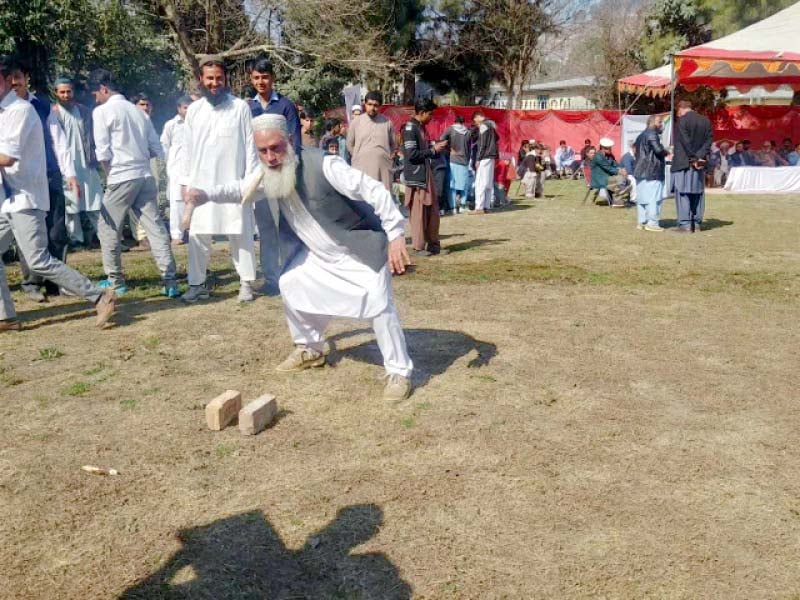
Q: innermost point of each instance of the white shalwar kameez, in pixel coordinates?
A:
(324, 280)
(91, 197)
(219, 148)
(173, 139)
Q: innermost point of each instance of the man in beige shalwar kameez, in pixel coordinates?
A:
(370, 142)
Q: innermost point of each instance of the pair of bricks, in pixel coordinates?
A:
(253, 418)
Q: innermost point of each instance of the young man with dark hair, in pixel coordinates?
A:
(307, 129)
(219, 147)
(420, 194)
(125, 141)
(59, 169)
(370, 141)
(24, 202)
(269, 101)
(143, 103)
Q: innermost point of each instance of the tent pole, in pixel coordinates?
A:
(672, 100)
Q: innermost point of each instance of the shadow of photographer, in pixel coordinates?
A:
(243, 557)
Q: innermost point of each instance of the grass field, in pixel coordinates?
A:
(599, 412)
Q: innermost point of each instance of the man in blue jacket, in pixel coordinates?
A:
(268, 101)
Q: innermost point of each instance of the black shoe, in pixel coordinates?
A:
(440, 251)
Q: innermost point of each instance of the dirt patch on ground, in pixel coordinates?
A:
(600, 412)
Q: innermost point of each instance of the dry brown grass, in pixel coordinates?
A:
(601, 412)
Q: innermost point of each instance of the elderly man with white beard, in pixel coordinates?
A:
(337, 227)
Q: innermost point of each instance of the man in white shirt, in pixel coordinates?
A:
(219, 148)
(173, 137)
(125, 141)
(24, 202)
(73, 121)
(337, 227)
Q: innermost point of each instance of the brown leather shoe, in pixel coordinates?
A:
(105, 307)
(10, 325)
(301, 358)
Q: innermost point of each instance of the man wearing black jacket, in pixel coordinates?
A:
(692, 143)
(420, 195)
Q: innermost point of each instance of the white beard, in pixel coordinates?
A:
(279, 183)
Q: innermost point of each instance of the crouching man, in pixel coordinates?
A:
(336, 227)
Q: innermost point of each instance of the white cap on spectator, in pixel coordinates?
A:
(606, 143)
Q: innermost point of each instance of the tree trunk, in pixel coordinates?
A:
(409, 89)
(173, 19)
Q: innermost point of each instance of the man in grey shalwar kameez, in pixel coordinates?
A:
(693, 138)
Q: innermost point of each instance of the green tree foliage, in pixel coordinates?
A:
(674, 25)
(73, 37)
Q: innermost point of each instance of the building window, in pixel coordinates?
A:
(542, 102)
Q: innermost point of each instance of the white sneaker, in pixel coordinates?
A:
(195, 293)
(246, 292)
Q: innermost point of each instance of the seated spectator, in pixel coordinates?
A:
(737, 158)
(566, 161)
(720, 174)
(794, 157)
(714, 160)
(628, 160)
(607, 175)
(750, 159)
(768, 157)
(786, 149)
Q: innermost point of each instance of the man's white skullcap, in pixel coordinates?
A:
(270, 122)
(606, 143)
(355, 108)
(531, 141)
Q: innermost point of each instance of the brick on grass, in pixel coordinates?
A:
(223, 409)
(254, 417)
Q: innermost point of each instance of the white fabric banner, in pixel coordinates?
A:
(775, 180)
(633, 125)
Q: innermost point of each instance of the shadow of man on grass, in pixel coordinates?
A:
(243, 557)
(432, 350)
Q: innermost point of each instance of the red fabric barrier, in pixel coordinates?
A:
(756, 123)
(514, 126)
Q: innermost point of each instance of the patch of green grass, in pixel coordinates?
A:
(78, 388)
(408, 422)
(424, 405)
(42, 401)
(152, 342)
(151, 391)
(50, 353)
(622, 274)
(224, 450)
(128, 404)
